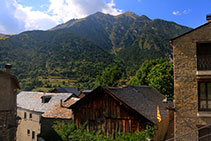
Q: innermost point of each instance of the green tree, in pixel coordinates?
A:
(144, 70)
(161, 78)
(110, 77)
(158, 74)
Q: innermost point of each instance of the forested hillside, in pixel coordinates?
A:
(132, 38)
(74, 53)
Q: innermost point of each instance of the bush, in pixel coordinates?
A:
(68, 131)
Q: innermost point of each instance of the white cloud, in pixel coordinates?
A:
(34, 19)
(109, 9)
(64, 10)
(15, 18)
(184, 12)
(176, 13)
(8, 23)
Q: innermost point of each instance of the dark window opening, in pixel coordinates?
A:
(28, 132)
(33, 135)
(25, 115)
(203, 56)
(204, 96)
(30, 115)
(205, 134)
(46, 99)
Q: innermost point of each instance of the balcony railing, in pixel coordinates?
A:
(204, 62)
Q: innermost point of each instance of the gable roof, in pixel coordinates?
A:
(33, 100)
(190, 31)
(142, 99)
(61, 111)
(15, 80)
(67, 90)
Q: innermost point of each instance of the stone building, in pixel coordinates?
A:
(8, 89)
(192, 84)
(32, 107)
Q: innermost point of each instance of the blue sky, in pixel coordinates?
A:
(17, 16)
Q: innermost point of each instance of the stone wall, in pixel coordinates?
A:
(8, 121)
(7, 125)
(186, 118)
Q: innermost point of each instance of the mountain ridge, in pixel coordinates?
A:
(81, 48)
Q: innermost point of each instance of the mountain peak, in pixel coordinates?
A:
(128, 13)
(144, 17)
(97, 14)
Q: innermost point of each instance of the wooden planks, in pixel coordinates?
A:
(105, 113)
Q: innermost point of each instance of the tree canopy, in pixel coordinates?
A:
(158, 74)
(109, 77)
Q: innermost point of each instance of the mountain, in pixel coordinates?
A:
(3, 36)
(81, 48)
(58, 54)
(131, 37)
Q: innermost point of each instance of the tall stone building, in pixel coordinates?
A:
(8, 88)
(192, 84)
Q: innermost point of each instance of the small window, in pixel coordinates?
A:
(28, 132)
(204, 98)
(30, 115)
(45, 99)
(205, 134)
(33, 135)
(203, 56)
(25, 115)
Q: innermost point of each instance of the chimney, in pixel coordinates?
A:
(61, 103)
(8, 67)
(208, 18)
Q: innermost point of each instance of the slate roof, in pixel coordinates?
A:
(86, 91)
(189, 31)
(67, 90)
(32, 100)
(59, 111)
(143, 99)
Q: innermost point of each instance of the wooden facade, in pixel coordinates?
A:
(102, 110)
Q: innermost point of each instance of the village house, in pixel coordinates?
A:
(38, 111)
(125, 109)
(192, 84)
(8, 121)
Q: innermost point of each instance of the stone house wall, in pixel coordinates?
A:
(28, 125)
(8, 123)
(187, 117)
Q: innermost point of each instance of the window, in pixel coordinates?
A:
(30, 115)
(204, 97)
(25, 115)
(203, 56)
(46, 99)
(205, 134)
(33, 135)
(28, 132)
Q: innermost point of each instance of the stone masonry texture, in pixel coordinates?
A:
(185, 84)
